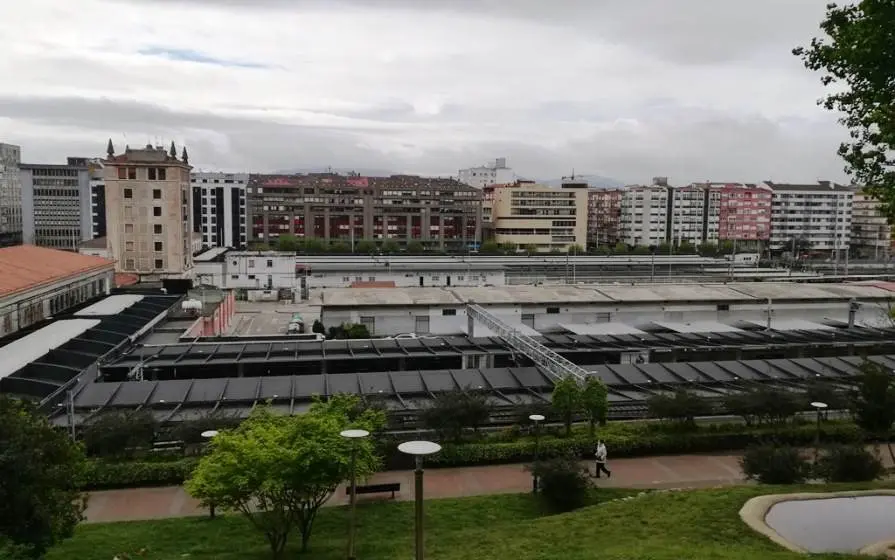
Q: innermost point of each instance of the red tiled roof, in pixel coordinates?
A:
(125, 279)
(25, 266)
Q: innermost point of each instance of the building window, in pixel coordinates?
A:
(370, 323)
(251, 263)
(234, 276)
(132, 173)
(159, 264)
(553, 311)
(156, 211)
(449, 312)
(128, 245)
(128, 193)
(122, 173)
(158, 247)
(129, 264)
(128, 228)
(157, 194)
(269, 263)
(251, 276)
(157, 229)
(156, 173)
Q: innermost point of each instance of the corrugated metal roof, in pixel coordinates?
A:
(26, 266)
(596, 329)
(18, 354)
(794, 325)
(112, 305)
(698, 327)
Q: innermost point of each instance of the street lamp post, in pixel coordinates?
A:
(210, 435)
(353, 436)
(419, 449)
(819, 407)
(537, 419)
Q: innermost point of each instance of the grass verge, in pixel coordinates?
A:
(700, 524)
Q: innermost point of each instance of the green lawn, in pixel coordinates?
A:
(699, 524)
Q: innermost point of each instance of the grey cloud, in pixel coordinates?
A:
(691, 146)
(684, 31)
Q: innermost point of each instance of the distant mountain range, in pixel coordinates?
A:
(594, 181)
(364, 172)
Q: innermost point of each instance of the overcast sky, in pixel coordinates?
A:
(630, 89)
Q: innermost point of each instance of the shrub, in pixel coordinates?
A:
(765, 405)
(119, 433)
(452, 412)
(102, 474)
(563, 484)
(849, 463)
(190, 431)
(681, 407)
(772, 464)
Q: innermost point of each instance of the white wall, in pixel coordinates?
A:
(406, 279)
(249, 271)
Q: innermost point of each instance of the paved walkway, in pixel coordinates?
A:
(669, 471)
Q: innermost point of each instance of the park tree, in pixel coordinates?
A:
(566, 400)
(595, 402)
(339, 247)
(620, 249)
(576, 250)
(39, 467)
(874, 401)
(119, 434)
(856, 58)
(390, 247)
(365, 247)
(288, 242)
(490, 248)
(452, 412)
(277, 471)
(415, 248)
(681, 407)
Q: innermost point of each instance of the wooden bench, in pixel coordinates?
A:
(375, 489)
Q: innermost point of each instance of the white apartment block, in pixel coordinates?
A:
(219, 208)
(492, 173)
(548, 218)
(644, 214)
(819, 214)
(56, 204)
(10, 195)
(260, 275)
(871, 232)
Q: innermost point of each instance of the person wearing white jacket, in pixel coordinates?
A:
(600, 460)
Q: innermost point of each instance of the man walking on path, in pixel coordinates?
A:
(600, 460)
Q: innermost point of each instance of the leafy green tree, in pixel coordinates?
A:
(681, 407)
(874, 401)
(490, 248)
(725, 247)
(287, 242)
(663, 248)
(595, 402)
(339, 247)
(509, 248)
(415, 248)
(278, 471)
(39, 467)
(641, 250)
(857, 60)
(620, 249)
(707, 249)
(390, 247)
(190, 431)
(686, 248)
(532, 250)
(364, 247)
(566, 400)
(576, 250)
(452, 412)
(562, 483)
(313, 246)
(119, 434)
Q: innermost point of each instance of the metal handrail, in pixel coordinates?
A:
(555, 365)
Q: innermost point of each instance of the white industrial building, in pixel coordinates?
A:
(219, 208)
(493, 173)
(255, 275)
(817, 217)
(534, 309)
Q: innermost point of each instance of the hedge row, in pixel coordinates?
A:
(104, 474)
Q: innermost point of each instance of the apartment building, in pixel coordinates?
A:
(441, 213)
(604, 208)
(10, 195)
(814, 217)
(693, 216)
(492, 173)
(744, 212)
(219, 208)
(644, 213)
(97, 196)
(528, 215)
(148, 211)
(56, 204)
(871, 233)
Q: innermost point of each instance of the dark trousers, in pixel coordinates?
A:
(600, 466)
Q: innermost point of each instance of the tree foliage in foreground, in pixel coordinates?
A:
(857, 60)
(874, 401)
(278, 471)
(39, 505)
(566, 400)
(595, 402)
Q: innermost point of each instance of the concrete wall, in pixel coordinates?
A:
(408, 279)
